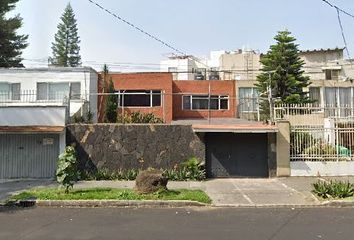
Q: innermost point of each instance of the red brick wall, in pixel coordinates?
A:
(217, 87)
(144, 81)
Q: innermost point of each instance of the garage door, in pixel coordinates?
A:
(237, 155)
(28, 155)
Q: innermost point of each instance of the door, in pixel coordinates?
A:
(237, 155)
(28, 155)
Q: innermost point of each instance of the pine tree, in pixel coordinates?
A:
(111, 104)
(66, 45)
(11, 43)
(282, 72)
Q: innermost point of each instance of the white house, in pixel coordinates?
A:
(50, 86)
(35, 105)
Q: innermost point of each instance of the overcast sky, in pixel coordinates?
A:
(193, 26)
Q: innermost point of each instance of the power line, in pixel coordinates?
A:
(342, 31)
(144, 32)
(338, 9)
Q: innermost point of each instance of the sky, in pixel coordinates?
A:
(193, 26)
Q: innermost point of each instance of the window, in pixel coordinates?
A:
(332, 74)
(58, 91)
(338, 97)
(247, 99)
(10, 91)
(201, 102)
(140, 98)
(315, 95)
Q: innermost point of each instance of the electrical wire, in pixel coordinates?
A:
(338, 9)
(342, 31)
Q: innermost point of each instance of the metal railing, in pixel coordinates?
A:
(32, 97)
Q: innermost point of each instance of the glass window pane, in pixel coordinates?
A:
(200, 102)
(75, 90)
(156, 98)
(224, 102)
(315, 95)
(4, 91)
(214, 102)
(15, 91)
(331, 96)
(141, 98)
(58, 91)
(186, 102)
(42, 91)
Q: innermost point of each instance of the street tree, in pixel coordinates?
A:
(66, 48)
(282, 79)
(11, 43)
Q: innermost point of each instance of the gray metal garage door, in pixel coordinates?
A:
(237, 154)
(28, 155)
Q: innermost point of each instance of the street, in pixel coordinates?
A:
(194, 223)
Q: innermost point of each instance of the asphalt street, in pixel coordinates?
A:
(183, 223)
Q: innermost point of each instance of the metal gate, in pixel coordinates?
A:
(237, 154)
(28, 155)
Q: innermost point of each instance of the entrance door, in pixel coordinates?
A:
(237, 154)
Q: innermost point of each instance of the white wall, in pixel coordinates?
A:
(184, 66)
(32, 116)
(28, 78)
(325, 168)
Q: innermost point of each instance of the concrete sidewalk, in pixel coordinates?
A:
(238, 192)
(292, 191)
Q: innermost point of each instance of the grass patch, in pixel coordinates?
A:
(110, 194)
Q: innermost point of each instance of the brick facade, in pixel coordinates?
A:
(172, 91)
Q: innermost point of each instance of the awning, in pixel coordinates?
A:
(332, 68)
(31, 129)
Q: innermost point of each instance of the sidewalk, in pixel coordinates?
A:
(292, 191)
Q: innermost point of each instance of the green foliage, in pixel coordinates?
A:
(111, 104)
(111, 194)
(66, 46)
(67, 168)
(11, 43)
(81, 119)
(299, 141)
(137, 117)
(282, 71)
(333, 189)
(321, 149)
(191, 169)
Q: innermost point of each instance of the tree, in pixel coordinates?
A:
(66, 172)
(111, 104)
(66, 45)
(282, 73)
(11, 43)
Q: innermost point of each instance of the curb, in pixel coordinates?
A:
(338, 203)
(118, 203)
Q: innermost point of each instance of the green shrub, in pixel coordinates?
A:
(299, 141)
(191, 169)
(333, 189)
(321, 149)
(137, 117)
(66, 173)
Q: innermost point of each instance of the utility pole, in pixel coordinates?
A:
(270, 99)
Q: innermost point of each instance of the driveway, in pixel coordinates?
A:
(8, 187)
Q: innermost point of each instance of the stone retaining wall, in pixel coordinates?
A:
(116, 146)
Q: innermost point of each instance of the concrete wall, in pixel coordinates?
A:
(324, 168)
(113, 146)
(217, 87)
(283, 149)
(32, 116)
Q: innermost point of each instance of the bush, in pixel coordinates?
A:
(321, 149)
(191, 169)
(66, 173)
(299, 141)
(333, 189)
(137, 117)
